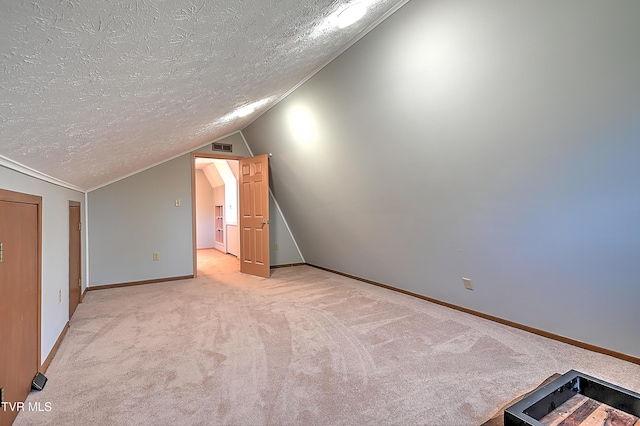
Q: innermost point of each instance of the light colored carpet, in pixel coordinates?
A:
(304, 347)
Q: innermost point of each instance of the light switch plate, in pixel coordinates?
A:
(467, 283)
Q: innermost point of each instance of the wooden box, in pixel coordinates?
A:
(579, 400)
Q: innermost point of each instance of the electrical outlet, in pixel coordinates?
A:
(467, 283)
(156, 256)
(276, 246)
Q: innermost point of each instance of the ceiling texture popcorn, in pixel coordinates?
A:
(91, 91)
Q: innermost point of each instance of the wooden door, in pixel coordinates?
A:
(19, 301)
(74, 257)
(254, 216)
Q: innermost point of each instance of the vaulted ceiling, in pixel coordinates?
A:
(91, 91)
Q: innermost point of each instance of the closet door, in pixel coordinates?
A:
(19, 303)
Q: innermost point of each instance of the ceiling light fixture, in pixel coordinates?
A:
(351, 14)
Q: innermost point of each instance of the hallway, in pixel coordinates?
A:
(212, 262)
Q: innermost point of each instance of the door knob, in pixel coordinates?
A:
(264, 222)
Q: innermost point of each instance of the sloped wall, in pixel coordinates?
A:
(491, 140)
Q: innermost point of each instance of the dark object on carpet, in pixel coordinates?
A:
(38, 382)
(498, 418)
(599, 402)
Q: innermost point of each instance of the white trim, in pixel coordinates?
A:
(350, 43)
(161, 162)
(246, 144)
(295, 243)
(26, 170)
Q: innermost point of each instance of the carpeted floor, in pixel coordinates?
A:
(305, 347)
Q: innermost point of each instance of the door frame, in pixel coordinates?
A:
(195, 155)
(19, 197)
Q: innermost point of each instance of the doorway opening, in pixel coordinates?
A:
(215, 192)
(251, 211)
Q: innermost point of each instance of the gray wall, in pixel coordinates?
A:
(279, 234)
(55, 249)
(131, 219)
(492, 140)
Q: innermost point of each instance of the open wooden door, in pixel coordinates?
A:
(254, 216)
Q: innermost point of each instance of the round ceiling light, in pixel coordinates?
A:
(351, 14)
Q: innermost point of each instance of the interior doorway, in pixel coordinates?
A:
(215, 192)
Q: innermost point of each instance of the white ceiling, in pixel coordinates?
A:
(91, 91)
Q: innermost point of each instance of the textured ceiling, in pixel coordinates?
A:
(91, 91)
